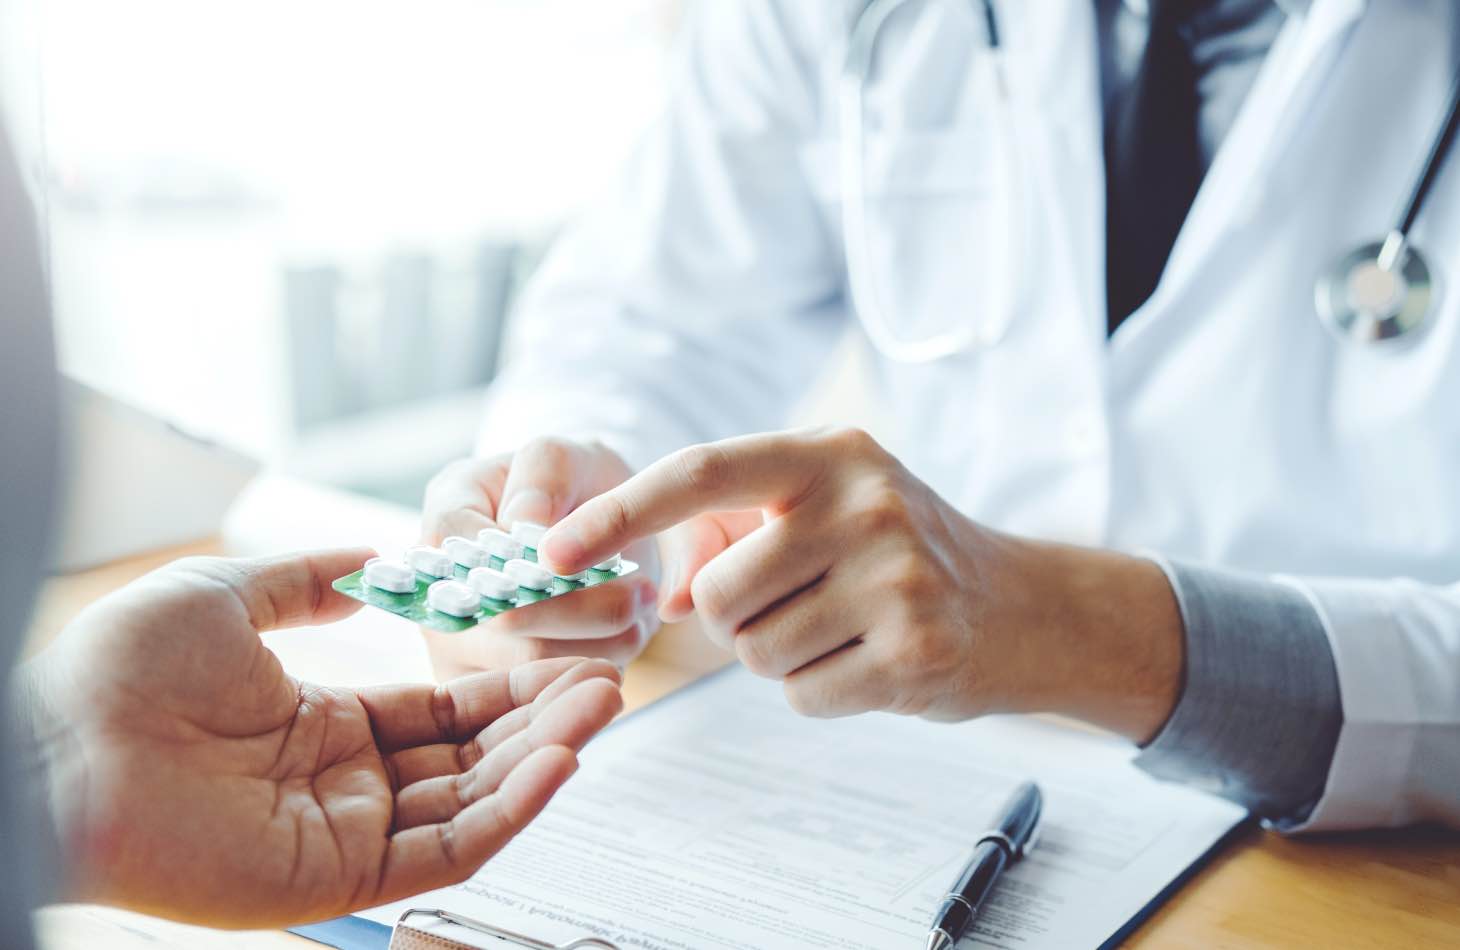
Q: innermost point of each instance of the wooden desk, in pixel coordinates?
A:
(1381, 889)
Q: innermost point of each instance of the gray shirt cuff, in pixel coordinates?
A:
(1259, 711)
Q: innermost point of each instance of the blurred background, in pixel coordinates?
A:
(297, 228)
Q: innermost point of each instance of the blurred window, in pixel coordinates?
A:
(297, 226)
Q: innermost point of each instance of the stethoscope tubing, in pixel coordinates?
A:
(1434, 161)
(866, 299)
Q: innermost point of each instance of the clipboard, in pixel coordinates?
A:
(412, 932)
(429, 928)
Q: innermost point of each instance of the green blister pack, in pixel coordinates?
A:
(471, 584)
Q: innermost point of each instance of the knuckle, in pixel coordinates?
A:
(446, 841)
(907, 704)
(825, 698)
(756, 654)
(706, 468)
(619, 606)
(443, 711)
(462, 787)
(805, 699)
(613, 514)
(600, 451)
(209, 582)
(200, 565)
(719, 635)
(710, 599)
(853, 441)
(549, 450)
(916, 657)
(885, 510)
(913, 654)
(908, 578)
(468, 754)
(244, 581)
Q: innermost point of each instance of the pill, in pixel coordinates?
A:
(577, 578)
(499, 543)
(610, 564)
(433, 562)
(528, 533)
(394, 576)
(454, 598)
(528, 574)
(492, 583)
(468, 554)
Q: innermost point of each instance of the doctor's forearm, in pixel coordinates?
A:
(1107, 635)
(1226, 679)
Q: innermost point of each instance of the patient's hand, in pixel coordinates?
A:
(191, 777)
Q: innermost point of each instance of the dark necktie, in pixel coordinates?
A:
(1153, 162)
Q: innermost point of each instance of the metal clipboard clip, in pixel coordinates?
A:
(485, 929)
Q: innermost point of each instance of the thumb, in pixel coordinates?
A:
(691, 545)
(292, 589)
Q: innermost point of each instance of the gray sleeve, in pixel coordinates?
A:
(1259, 712)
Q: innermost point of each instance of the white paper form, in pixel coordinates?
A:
(718, 819)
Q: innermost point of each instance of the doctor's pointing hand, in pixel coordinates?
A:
(821, 561)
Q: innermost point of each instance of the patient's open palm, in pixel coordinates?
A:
(195, 779)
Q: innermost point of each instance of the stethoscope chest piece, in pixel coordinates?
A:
(1386, 290)
(1381, 291)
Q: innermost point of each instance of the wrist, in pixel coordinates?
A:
(1107, 637)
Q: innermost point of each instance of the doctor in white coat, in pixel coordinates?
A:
(1137, 479)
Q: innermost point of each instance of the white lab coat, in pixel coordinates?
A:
(1221, 424)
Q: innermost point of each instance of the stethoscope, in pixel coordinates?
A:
(1383, 290)
(866, 299)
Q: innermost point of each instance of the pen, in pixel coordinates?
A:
(996, 848)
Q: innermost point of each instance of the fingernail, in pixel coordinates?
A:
(563, 548)
(529, 504)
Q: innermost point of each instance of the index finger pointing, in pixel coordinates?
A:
(751, 471)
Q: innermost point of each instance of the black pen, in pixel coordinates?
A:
(995, 849)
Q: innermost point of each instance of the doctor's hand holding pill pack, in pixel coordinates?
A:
(1170, 339)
